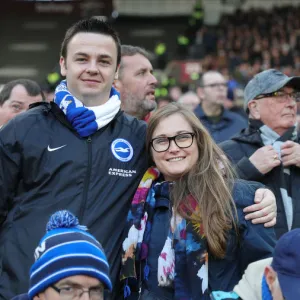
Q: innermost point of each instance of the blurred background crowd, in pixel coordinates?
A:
(239, 38)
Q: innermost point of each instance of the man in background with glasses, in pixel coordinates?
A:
(220, 122)
(268, 151)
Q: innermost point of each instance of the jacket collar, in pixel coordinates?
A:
(251, 135)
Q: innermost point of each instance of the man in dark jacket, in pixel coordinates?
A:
(268, 150)
(221, 123)
(80, 152)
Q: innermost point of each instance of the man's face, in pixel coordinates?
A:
(215, 88)
(278, 112)
(73, 286)
(90, 67)
(18, 102)
(137, 85)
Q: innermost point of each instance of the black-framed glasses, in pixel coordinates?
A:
(182, 140)
(216, 85)
(76, 292)
(281, 96)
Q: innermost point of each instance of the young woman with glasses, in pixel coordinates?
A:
(187, 235)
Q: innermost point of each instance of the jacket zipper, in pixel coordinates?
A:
(87, 179)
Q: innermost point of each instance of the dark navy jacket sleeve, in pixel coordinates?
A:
(253, 242)
(256, 241)
(243, 166)
(10, 160)
(21, 297)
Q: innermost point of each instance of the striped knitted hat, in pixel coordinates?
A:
(67, 250)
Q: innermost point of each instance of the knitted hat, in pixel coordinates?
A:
(67, 250)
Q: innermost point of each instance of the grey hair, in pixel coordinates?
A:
(129, 50)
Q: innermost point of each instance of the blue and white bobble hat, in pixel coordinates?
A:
(67, 250)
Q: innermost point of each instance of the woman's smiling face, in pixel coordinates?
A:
(174, 162)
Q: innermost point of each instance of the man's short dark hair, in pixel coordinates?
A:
(128, 50)
(91, 25)
(31, 87)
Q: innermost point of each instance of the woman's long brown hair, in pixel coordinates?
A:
(209, 181)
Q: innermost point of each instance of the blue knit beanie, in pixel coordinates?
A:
(67, 250)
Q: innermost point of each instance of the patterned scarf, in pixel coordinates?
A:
(270, 137)
(86, 120)
(183, 261)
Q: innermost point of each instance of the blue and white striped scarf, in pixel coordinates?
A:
(86, 120)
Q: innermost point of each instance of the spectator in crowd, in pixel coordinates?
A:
(16, 96)
(274, 278)
(190, 100)
(80, 150)
(69, 262)
(281, 279)
(250, 286)
(136, 82)
(184, 223)
(243, 46)
(268, 151)
(220, 122)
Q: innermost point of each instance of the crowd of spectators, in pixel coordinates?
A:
(241, 48)
(220, 219)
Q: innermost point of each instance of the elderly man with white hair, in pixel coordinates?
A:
(268, 151)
